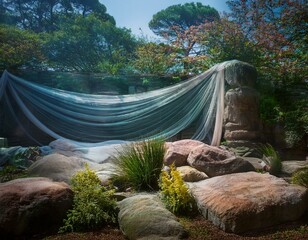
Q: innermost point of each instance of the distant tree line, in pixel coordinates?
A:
(64, 35)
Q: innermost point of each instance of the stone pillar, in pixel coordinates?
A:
(241, 117)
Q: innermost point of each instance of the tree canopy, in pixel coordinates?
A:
(153, 58)
(46, 15)
(87, 44)
(19, 48)
(178, 25)
(179, 17)
(76, 35)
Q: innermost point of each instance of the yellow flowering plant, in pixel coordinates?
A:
(175, 193)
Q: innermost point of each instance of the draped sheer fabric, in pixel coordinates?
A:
(98, 118)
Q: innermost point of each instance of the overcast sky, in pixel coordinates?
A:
(136, 14)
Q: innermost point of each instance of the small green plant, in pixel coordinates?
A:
(140, 164)
(11, 172)
(93, 205)
(24, 158)
(262, 171)
(272, 159)
(300, 177)
(175, 193)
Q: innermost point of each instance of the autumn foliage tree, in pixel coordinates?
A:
(153, 58)
(278, 31)
(224, 40)
(177, 24)
(271, 35)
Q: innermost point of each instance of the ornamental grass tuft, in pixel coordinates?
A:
(140, 164)
(272, 159)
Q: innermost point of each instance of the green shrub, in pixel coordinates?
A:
(25, 158)
(300, 177)
(270, 110)
(272, 159)
(175, 193)
(296, 124)
(140, 164)
(11, 172)
(93, 206)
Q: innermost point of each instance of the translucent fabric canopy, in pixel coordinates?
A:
(98, 118)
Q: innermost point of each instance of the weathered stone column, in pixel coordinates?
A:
(241, 117)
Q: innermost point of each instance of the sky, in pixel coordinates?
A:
(136, 14)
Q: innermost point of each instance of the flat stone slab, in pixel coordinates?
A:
(145, 217)
(257, 163)
(59, 167)
(242, 202)
(290, 167)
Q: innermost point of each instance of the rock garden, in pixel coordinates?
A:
(152, 190)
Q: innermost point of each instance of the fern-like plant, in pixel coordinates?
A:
(300, 177)
(272, 159)
(174, 192)
(93, 205)
(140, 164)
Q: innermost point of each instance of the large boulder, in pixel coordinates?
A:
(145, 217)
(208, 153)
(177, 152)
(59, 167)
(248, 201)
(215, 161)
(32, 205)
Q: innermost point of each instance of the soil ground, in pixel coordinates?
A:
(201, 229)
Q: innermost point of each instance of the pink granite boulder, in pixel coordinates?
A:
(32, 205)
(242, 202)
(177, 152)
